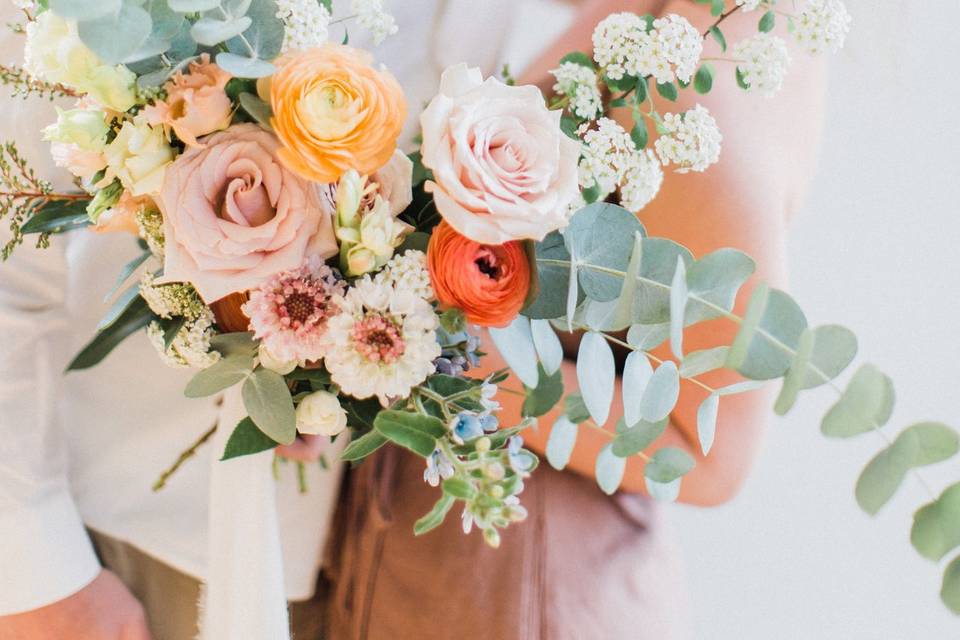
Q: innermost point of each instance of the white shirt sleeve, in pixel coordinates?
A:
(45, 553)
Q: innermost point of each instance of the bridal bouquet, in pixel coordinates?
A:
(290, 248)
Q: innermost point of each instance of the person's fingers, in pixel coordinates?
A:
(307, 448)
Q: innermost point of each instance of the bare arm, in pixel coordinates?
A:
(743, 202)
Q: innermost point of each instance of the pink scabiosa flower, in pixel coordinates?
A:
(382, 343)
(289, 313)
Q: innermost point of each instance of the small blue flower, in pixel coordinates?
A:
(520, 460)
(466, 427)
(489, 423)
(438, 468)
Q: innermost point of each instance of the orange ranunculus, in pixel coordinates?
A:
(489, 283)
(334, 112)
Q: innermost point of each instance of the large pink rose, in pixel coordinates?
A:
(503, 170)
(234, 215)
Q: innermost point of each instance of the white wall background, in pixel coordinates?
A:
(875, 249)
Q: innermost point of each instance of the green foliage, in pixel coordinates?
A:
(580, 58)
(631, 440)
(950, 592)
(133, 317)
(717, 35)
(602, 235)
(679, 296)
(703, 80)
(699, 362)
(257, 109)
(936, 526)
(548, 346)
(707, 422)
(364, 446)
(541, 400)
(768, 21)
(515, 344)
(560, 444)
(866, 404)
(635, 378)
(220, 376)
(668, 90)
(436, 516)
(596, 374)
(668, 464)
(609, 470)
(270, 405)
(553, 277)
(575, 409)
(412, 431)
(246, 440)
(661, 394)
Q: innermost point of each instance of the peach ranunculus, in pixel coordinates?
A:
(489, 283)
(122, 217)
(196, 103)
(334, 112)
(503, 170)
(234, 215)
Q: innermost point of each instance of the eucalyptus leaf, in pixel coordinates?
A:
(547, 345)
(652, 297)
(230, 344)
(210, 32)
(560, 443)
(633, 439)
(515, 344)
(116, 36)
(575, 409)
(553, 277)
(596, 375)
(270, 405)
(90, 10)
(637, 372)
(257, 109)
(221, 375)
(661, 394)
(648, 337)
(601, 236)
(950, 591)
(697, 363)
(264, 38)
(664, 491)
(936, 526)
(866, 404)
(244, 67)
(678, 307)
(668, 464)
(714, 281)
(541, 400)
(834, 349)
(796, 375)
(707, 422)
(609, 470)
(773, 341)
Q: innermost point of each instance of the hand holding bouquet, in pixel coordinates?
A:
(290, 249)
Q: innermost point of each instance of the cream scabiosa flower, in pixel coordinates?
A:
(383, 342)
(55, 53)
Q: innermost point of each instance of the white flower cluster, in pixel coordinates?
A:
(749, 5)
(408, 272)
(612, 161)
(150, 225)
(579, 83)
(190, 347)
(374, 18)
(690, 140)
(168, 300)
(822, 26)
(763, 62)
(670, 49)
(306, 24)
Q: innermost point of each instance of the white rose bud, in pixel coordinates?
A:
(271, 362)
(320, 413)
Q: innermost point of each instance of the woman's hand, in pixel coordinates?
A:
(744, 202)
(103, 610)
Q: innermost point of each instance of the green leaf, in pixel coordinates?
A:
(412, 431)
(270, 405)
(767, 22)
(609, 470)
(364, 446)
(699, 362)
(668, 464)
(633, 439)
(596, 375)
(459, 488)
(796, 375)
(648, 337)
(257, 109)
(742, 81)
(575, 408)
(580, 58)
(115, 36)
(936, 526)
(57, 216)
(231, 344)
(719, 37)
(127, 299)
(707, 422)
(515, 344)
(453, 321)
(772, 341)
(602, 235)
(548, 346)
(640, 135)
(265, 35)
(74, 10)
(661, 394)
(917, 446)
(126, 272)
(703, 80)
(171, 328)
(617, 314)
(663, 491)
(560, 443)
(678, 307)
(541, 400)
(716, 7)
(636, 376)
(950, 591)
(221, 375)
(246, 440)
(867, 403)
(651, 302)
(134, 317)
(668, 90)
(436, 516)
(834, 349)
(714, 280)
(244, 67)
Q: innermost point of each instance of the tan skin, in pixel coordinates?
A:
(744, 202)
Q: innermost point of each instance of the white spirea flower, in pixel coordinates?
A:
(374, 18)
(382, 343)
(670, 49)
(408, 272)
(764, 61)
(748, 5)
(579, 83)
(612, 161)
(191, 346)
(306, 24)
(822, 26)
(690, 140)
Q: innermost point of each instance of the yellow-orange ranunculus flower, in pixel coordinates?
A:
(489, 283)
(334, 112)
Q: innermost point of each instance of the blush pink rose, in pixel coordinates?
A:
(503, 170)
(234, 216)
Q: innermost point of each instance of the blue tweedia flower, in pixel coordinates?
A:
(466, 427)
(438, 468)
(520, 461)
